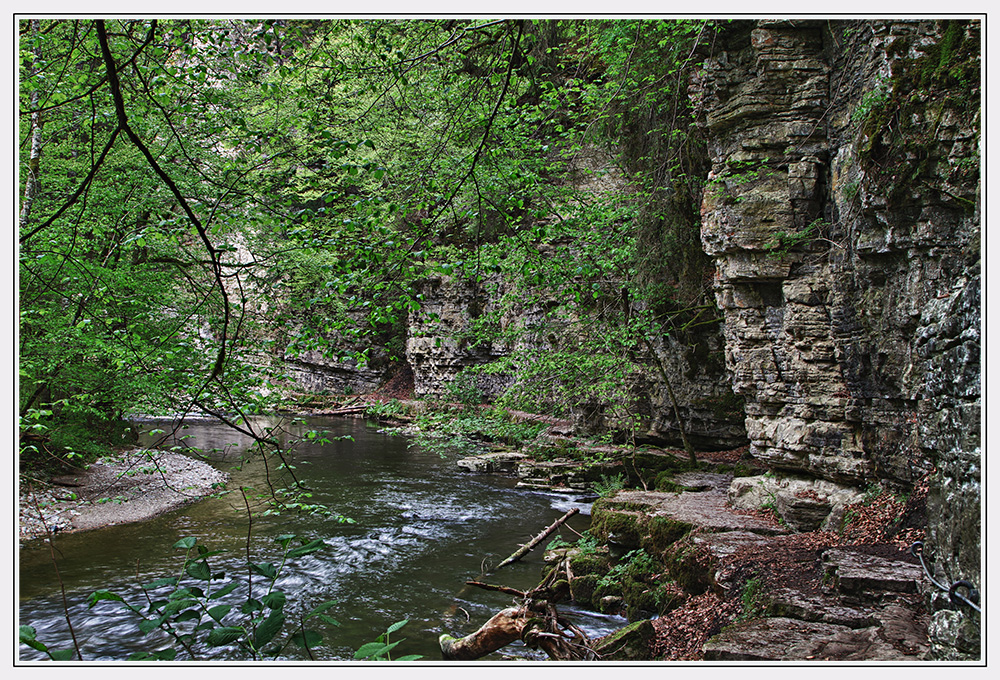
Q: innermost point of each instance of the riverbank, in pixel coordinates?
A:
(131, 486)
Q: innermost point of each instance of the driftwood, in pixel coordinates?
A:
(505, 627)
(341, 411)
(528, 547)
(533, 618)
(537, 624)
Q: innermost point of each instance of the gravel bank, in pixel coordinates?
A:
(128, 487)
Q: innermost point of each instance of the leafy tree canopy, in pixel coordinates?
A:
(203, 197)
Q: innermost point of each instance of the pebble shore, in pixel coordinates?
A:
(131, 486)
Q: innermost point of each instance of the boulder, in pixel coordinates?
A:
(805, 504)
(631, 643)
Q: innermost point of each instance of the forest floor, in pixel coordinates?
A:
(131, 486)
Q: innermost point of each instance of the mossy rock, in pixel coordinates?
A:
(583, 588)
(640, 600)
(688, 566)
(631, 643)
(610, 604)
(664, 481)
(584, 564)
(662, 532)
(628, 526)
(621, 527)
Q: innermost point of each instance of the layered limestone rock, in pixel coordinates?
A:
(439, 342)
(842, 213)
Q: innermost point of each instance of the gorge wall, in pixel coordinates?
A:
(843, 215)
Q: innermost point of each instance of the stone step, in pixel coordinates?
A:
(703, 509)
(899, 635)
(858, 576)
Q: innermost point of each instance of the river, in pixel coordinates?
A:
(422, 529)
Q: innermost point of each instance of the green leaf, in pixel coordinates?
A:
(224, 635)
(177, 605)
(160, 582)
(307, 549)
(100, 595)
(62, 655)
(251, 606)
(370, 649)
(189, 615)
(222, 592)
(284, 539)
(146, 626)
(274, 600)
(219, 611)
(199, 570)
(396, 626)
(307, 639)
(186, 543)
(27, 637)
(268, 629)
(267, 569)
(161, 655)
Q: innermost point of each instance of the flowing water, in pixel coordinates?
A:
(422, 529)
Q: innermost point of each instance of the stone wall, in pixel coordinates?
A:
(842, 213)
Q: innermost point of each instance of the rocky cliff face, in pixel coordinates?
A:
(440, 343)
(842, 213)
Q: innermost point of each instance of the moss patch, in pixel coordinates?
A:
(629, 643)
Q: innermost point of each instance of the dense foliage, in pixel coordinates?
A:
(204, 197)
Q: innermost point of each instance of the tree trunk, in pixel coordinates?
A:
(34, 155)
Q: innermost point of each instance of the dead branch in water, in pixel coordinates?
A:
(533, 618)
(528, 547)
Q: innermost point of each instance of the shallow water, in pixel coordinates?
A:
(422, 529)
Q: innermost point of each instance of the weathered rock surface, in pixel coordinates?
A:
(805, 504)
(631, 643)
(843, 216)
(863, 578)
(784, 639)
(704, 509)
(488, 463)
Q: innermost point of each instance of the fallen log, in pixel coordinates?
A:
(537, 624)
(528, 547)
(499, 589)
(505, 627)
(342, 411)
(533, 618)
